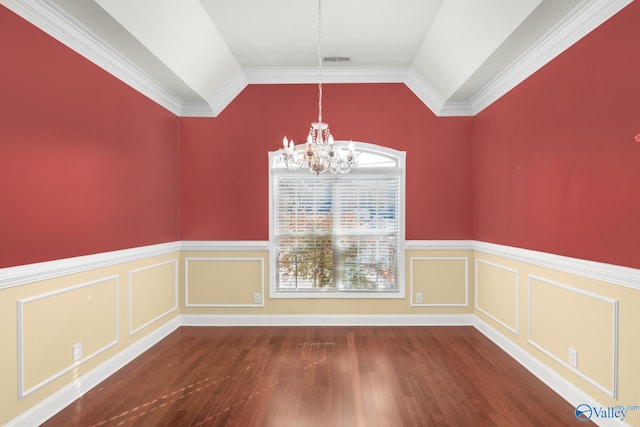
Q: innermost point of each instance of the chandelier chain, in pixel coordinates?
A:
(319, 60)
(319, 153)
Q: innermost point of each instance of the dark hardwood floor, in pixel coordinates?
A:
(321, 376)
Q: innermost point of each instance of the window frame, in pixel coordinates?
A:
(399, 158)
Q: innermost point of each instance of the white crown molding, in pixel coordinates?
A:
(196, 109)
(46, 15)
(219, 101)
(228, 92)
(49, 18)
(300, 75)
(424, 91)
(29, 273)
(586, 17)
(609, 273)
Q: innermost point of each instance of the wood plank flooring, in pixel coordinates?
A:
(321, 376)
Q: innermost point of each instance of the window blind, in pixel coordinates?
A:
(337, 234)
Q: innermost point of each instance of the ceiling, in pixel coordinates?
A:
(194, 56)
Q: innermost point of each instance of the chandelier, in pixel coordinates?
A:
(319, 153)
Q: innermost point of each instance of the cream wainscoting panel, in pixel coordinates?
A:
(224, 282)
(563, 317)
(48, 330)
(497, 295)
(153, 293)
(442, 281)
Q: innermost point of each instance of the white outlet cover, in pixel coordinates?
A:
(573, 357)
(77, 352)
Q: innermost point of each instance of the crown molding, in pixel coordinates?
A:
(298, 75)
(586, 17)
(52, 20)
(47, 16)
(228, 92)
(424, 91)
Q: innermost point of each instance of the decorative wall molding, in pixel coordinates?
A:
(15, 276)
(58, 401)
(22, 392)
(609, 273)
(544, 373)
(186, 282)
(514, 328)
(53, 404)
(175, 293)
(29, 273)
(412, 303)
(613, 391)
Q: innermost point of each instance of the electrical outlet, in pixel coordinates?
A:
(573, 357)
(257, 298)
(419, 297)
(77, 352)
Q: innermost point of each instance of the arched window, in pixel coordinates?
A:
(339, 236)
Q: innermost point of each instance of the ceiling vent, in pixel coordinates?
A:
(336, 59)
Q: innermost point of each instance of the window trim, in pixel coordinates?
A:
(361, 147)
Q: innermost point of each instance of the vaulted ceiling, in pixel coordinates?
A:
(194, 56)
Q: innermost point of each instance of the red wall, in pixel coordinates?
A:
(556, 165)
(224, 160)
(87, 164)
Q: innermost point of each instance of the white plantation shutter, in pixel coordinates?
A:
(367, 231)
(337, 233)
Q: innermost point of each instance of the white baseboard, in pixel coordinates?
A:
(67, 395)
(552, 379)
(327, 320)
(58, 401)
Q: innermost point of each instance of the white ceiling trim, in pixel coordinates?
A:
(298, 75)
(585, 18)
(228, 92)
(60, 26)
(49, 18)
